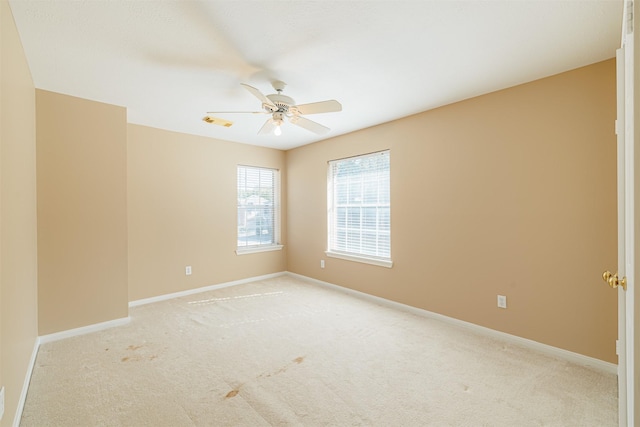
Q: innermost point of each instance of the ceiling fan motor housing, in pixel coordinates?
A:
(283, 102)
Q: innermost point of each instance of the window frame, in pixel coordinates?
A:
(332, 216)
(275, 245)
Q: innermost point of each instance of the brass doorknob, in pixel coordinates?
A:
(613, 280)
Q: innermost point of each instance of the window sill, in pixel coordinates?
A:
(373, 261)
(256, 249)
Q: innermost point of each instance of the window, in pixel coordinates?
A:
(359, 213)
(258, 209)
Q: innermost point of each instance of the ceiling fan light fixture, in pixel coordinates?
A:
(278, 119)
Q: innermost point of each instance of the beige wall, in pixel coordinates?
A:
(510, 193)
(182, 211)
(82, 212)
(18, 255)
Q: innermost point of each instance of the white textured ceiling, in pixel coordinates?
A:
(169, 62)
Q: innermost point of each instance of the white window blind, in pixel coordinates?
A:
(359, 206)
(258, 207)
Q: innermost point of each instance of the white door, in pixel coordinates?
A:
(626, 213)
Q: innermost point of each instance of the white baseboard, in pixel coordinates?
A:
(84, 330)
(523, 342)
(203, 289)
(25, 385)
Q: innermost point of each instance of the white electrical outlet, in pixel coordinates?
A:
(321, 263)
(502, 301)
(1, 402)
(187, 270)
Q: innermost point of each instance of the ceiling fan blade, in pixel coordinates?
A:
(330, 106)
(267, 127)
(255, 92)
(310, 125)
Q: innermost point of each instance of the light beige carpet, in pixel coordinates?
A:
(283, 352)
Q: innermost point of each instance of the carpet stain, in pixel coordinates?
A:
(232, 393)
(137, 358)
(134, 347)
(466, 388)
(297, 360)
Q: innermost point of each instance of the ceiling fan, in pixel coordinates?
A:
(280, 106)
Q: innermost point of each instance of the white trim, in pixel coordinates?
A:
(202, 289)
(364, 259)
(84, 330)
(25, 386)
(255, 249)
(570, 356)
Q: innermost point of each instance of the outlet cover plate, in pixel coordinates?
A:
(502, 301)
